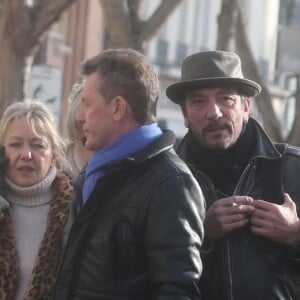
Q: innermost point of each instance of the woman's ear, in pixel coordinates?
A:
(53, 163)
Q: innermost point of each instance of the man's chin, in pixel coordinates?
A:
(88, 145)
(218, 146)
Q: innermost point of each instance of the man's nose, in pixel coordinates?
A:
(213, 111)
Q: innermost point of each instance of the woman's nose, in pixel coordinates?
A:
(79, 117)
(26, 153)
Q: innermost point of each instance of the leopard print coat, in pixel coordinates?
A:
(47, 261)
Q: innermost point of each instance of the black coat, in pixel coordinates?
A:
(139, 234)
(242, 265)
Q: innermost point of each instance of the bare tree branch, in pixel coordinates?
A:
(130, 30)
(16, 24)
(43, 14)
(21, 26)
(26, 24)
(152, 25)
(134, 7)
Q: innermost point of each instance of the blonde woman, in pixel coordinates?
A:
(77, 154)
(36, 202)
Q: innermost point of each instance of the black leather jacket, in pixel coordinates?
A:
(139, 234)
(242, 266)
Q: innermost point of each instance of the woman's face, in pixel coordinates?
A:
(30, 155)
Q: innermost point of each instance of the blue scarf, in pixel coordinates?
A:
(126, 144)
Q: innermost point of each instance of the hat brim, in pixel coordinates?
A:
(177, 91)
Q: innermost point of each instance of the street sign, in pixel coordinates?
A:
(45, 86)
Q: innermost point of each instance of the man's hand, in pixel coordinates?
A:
(276, 222)
(226, 215)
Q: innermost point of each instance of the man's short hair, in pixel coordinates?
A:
(126, 73)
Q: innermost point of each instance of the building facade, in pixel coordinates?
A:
(77, 35)
(192, 27)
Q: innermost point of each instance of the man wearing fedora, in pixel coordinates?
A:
(252, 228)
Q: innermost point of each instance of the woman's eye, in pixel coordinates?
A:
(39, 146)
(14, 145)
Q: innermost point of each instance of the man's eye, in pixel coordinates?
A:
(197, 101)
(228, 99)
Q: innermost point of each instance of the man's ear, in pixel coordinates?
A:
(119, 106)
(247, 106)
(186, 122)
(184, 113)
(248, 103)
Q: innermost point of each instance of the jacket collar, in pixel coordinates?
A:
(119, 169)
(264, 147)
(163, 143)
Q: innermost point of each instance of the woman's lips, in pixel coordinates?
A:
(25, 169)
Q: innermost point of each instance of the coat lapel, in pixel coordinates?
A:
(47, 261)
(8, 259)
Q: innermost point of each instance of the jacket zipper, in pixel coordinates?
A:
(228, 261)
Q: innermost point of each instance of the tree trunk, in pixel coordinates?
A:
(12, 66)
(226, 24)
(129, 31)
(117, 23)
(21, 27)
(264, 100)
(232, 29)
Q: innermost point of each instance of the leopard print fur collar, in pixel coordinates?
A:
(47, 261)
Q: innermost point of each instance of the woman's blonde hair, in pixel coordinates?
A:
(38, 116)
(74, 131)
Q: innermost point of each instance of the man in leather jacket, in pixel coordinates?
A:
(137, 223)
(252, 229)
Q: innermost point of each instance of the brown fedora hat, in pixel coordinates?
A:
(212, 69)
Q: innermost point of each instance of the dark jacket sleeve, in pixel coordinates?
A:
(174, 234)
(291, 168)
